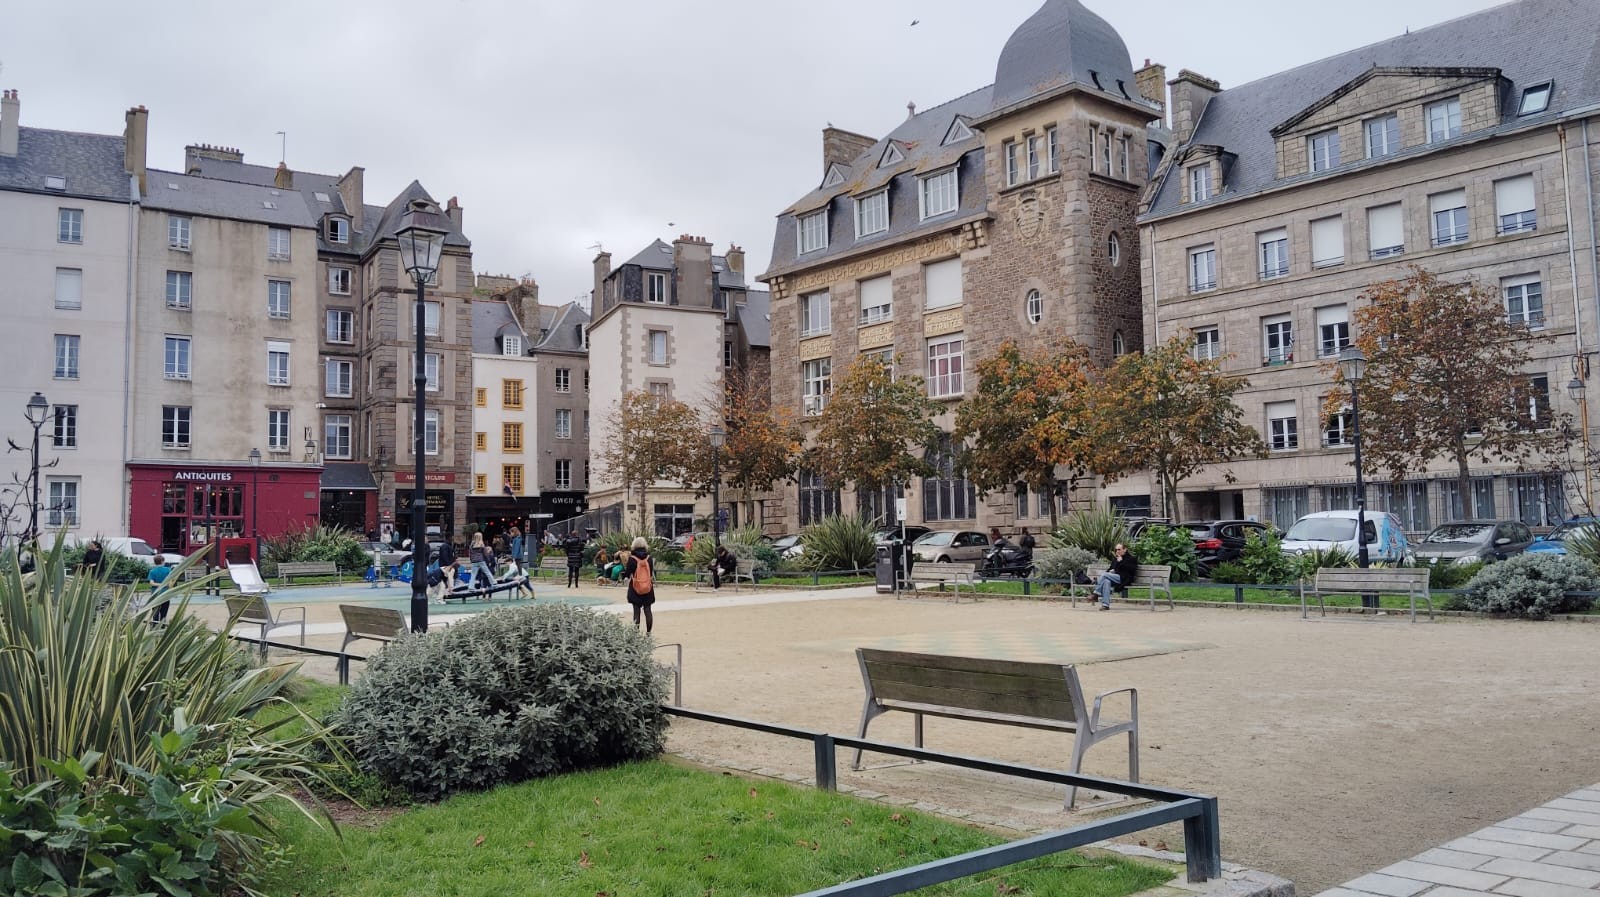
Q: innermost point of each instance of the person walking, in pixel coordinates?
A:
(641, 584)
(94, 559)
(573, 546)
(158, 579)
(1028, 542)
(1122, 571)
(516, 542)
(481, 557)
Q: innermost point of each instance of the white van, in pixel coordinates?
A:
(136, 548)
(1385, 538)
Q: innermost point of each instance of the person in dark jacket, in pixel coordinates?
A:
(94, 559)
(641, 583)
(723, 564)
(1123, 569)
(1028, 542)
(573, 546)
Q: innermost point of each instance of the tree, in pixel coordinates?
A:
(1443, 380)
(763, 442)
(1164, 410)
(649, 439)
(1028, 416)
(875, 429)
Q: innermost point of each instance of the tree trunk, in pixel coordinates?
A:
(1055, 502)
(643, 529)
(1464, 482)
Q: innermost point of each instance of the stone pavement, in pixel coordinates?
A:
(1550, 851)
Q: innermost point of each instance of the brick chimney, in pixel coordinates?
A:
(692, 274)
(10, 122)
(735, 259)
(527, 306)
(602, 270)
(194, 152)
(135, 143)
(1152, 83)
(842, 146)
(1190, 94)
(352, 192)
(283, 178)
(453, 209)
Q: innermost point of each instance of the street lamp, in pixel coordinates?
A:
(1353, 364)
(255, 496)
(421, 235)
(37, 412)
(1577, 389)
(718, 439)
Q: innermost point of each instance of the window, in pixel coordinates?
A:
(884, 357)
(1408, 501)
(657, 346)
(660, 389)
(1125, 155)
(656, 282)
(1449, 217)
(1385, 231)
(69, 225)
(341, 325)
(1278, 339)
(872, 214)
(937, 193)
(480, 483)
(1513, 205)
(278, 244)
(941, 283)
(585, 379)
(585, 423)
(1200, 183)
(431, 312)
(814, 231)
(176, 358)
(1339, 431)
(1444, 119)
(817, 379)
(1482, 502)
(65, 434)
(277, 364)
(278, 299)
(511, 345)
(1383, 136)
(563, 379)
(1274, 253)
(1535, 99)
(563, 423)
(1285, 506)
(1323, 149)
(180, 290)
(816, 315)
(480, 441)
(1207, 344)
(339, 281)
(1035, 147)
(1033, 306)
(945, 366)
(1537, 499)
(511, 393)
(178, 232)
(340, 377)
(1524, 301)
(1327, 242)
(563, 474)
(69, 288)
(430, 371)
(1114, 249)
(947, 495)
(1105, 152)
(511, 476)
(1013, 152)
(277, 429)
(815, 498)
(511, 437)
(55, 182)
(175, 426)
(430, 433)
(336, 435)
(1283, 428)
(1119, 346)
(63, 507)
(338, 230)
(1052, 150)
(1202, 268)
(66, 356)
(1333, 330)
(877, 296)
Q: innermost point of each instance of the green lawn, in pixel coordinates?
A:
(1216, 594)
(655, 828)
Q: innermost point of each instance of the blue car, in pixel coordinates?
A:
(1553, 542)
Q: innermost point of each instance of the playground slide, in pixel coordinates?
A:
(246, 578)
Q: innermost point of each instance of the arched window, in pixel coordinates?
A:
(1118, 346)
(1035, 307)
(1114, 249)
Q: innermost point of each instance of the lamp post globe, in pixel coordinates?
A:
(421, 236)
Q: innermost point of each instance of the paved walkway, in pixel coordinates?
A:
(1550, 851)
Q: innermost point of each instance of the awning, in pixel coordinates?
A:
(341, 476)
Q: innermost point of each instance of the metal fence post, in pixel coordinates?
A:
(1202, 843)
(827, 769)
(1238, 594)
(1027, 587)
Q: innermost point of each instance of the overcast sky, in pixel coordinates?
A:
(562, 123)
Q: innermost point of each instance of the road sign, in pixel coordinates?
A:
(540, 516)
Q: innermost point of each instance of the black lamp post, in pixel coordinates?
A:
(255, 499)
(421, 235)
(1578, 390)
(718, 439)
(1353, 364)
(37, 411)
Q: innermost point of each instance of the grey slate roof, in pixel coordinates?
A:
(387, 222)
(755, 318)
(491, 318)
(658, 257)
(91, 163)
(173, 192)
(1530, 41)
(562, 331)
(1063, 43)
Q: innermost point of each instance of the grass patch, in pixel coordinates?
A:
(1215, 594)
(316, 699)
(660, 829)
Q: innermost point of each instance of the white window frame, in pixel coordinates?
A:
(339, 375)
(563, 473)
(69, 225)
(1515, 205)
(1277, 339)
(1322, 150)
(563, 378)
(1333, 330)
(1338, 430)
(278, 243)
(1443, 120)
(811, 232)
(67, 354)
(655, 287)
(341, 324)
(1207, 343)
(1382, 135)
(652, 338)
(1114, 249)
(280, 299)
(511, 345)
(816, 379)
(816, 314)
(62, 497)
(338, 230)
(432, 312)
(1013, 159)
(1203, 268)
(1535, 98)
(878, 311)
(872, 213)
(1523, 296)
(1033, 306)
(177, 357)
(430, 432)
(340, 280)
(563, 423)
(337, 432)
(1283, 426)
(1199, 182)
(180, 290)
(177, 421)
(946, 366)
(935, 282)
(1033, 143)
(1448, 222)
(1389, 250)
(277, 429)
(1052, 149)
(1272, 254)
(431, 363)
(69, 289)
(64, 426)
(179, 232)
(1125, 151)
(938, 194)
(278, 363)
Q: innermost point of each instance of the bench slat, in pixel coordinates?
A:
(372, 622)
(1020, 688)
(248, 608)
(1007, 719)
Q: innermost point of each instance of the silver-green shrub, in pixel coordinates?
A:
(1063, 564)
(1533, 585)
(512, 694)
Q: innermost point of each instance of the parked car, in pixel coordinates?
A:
(945, 546)
(891, 533)
(682, 541)
(1466, 541)
(1385, 538)
(787, 546)
(1555, 542)
(1220, 541)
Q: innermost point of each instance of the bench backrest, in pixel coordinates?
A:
(1149, 574)
(1019, 688)
(372, 622)
(248, 609)
(1372, 579)
(308, 567)
(553, 562)
(745, 567)
(942, 572)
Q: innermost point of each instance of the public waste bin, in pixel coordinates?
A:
(891, 564)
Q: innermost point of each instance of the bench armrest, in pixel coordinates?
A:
(1133, 705)
(285, 611)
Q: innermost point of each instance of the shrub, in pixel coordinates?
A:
(1263, 559)
(1447, 574)
(1063, 564)
(1097, 530)
(838, 542)
(1230, 573)
(119, 567)
(315, 543)
(1584, 543)
(1533, 586)
(746, 544)
(1308, 563)
(509, 695)
(1159, 544)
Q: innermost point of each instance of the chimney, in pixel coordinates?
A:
(194, 152)
(842, 146)
(691, 264)
(735, 259)
(283, 178)
(1190, 94)
(602, 270)
(351, 193)
(527, 306)
(10, 114)
(453, 209)
(1152, 83)
(135, 143)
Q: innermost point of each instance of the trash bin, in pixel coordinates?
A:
(888, 567)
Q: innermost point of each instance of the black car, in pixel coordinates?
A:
(1218, 541)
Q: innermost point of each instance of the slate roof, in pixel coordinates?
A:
(562, 331)
(91, 163)
(191, 195)
(491, 318)
(387, 222)
(658, 257)
(755, 318)
(1530, 41)
(1063, 43)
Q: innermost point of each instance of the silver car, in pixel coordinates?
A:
(1465, 541)
(945, 546)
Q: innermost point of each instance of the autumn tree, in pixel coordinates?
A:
(651, 439)
(1028, 416)
(1165, 411)
(1443, 380)
(763, 443)
(875, 429)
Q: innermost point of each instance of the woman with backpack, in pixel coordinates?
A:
(641, 584)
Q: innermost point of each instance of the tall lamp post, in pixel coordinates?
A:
(1353, 364)
(37, 411)
(421, 235)
(1579, 392)
(255, 500)
(718, 439)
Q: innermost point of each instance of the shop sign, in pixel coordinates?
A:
(210, 476)
(435, 477)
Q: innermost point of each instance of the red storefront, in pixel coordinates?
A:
(178, 508)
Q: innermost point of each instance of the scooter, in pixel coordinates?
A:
(1005, 559)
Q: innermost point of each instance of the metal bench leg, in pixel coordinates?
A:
(868, 713)
(1080, 744)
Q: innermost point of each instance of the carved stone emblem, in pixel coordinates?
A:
(1030, 217)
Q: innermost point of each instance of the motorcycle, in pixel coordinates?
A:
(1005, 559)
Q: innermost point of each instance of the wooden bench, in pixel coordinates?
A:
(1410, 581)
(307, 568)
(1008, 692)
(254, 610)
(1150, 576)
(379, 624)
(743, 568)
(954, 575)
(556, 564)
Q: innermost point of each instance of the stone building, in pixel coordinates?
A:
(1466, 148)
(1007, 213)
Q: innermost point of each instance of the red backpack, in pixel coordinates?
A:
(643, 581)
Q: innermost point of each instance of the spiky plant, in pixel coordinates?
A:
(1094, 529)
(838, 542)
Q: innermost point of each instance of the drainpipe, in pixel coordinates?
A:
(1594, 250)
(127, 347)
(1155, 291)
(1572, 249)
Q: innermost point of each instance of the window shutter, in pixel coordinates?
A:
(942, 283)
(1332, 314)
(875, 292)
(1440, 202)
(1513, 195)
(1327, 241)
(1386, 227)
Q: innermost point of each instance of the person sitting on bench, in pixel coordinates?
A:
(723, 564)
(1119, 576)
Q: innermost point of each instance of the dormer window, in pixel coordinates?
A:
(835, 176)
(813, 232)
(957, 133)
(891, 156)
(1444, 120)
(938, 194)
(1323, 149)
(511, 345)
(1200, 183)
(1535, 99)
(872, 214)
(338, 230)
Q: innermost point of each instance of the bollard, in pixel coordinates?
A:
(826, 764)
(1238, 594)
